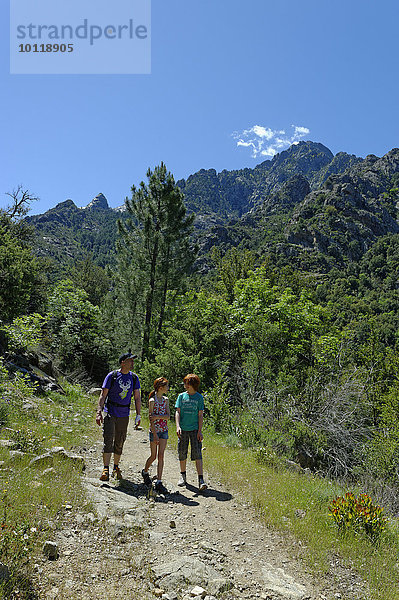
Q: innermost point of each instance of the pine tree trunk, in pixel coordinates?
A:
(164, 291)
(149, 302)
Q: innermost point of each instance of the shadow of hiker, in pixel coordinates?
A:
(140, 490)
(210, 493)
(177, 498)
(125, 486)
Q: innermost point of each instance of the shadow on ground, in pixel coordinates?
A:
(140, 491)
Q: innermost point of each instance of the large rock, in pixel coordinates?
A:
(279, 582)
(47, 460)
(118, 505)
(50, 549)
(6, 443)
(42, 361)
(183, 571)
(4, 572)
(16, 455)
(94, 391)
(20, 364)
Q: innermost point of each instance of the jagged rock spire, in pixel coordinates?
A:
(99, 201)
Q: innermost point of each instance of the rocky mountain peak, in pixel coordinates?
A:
(65, 205)
(99, 202)
(309, 155)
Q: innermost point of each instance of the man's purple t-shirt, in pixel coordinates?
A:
(120, 393)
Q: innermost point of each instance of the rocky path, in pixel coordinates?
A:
(186, 545)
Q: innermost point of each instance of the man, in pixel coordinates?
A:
(115, 398)
(189, 420)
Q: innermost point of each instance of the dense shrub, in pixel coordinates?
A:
(358, 514)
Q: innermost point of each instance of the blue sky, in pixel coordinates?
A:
(227, 79)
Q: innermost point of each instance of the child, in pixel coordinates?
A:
(189, 419)
(158, 412)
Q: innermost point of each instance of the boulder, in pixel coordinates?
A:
(293, 466)
(50, 549)
(47, 460)
(42, 361)
(279, 582)
(183, 571)
(4, 572)
(6, 443)
(94, 391)
(16, 454)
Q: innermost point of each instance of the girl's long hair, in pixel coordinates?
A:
(159, 382)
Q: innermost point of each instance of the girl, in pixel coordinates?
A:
(159, 413)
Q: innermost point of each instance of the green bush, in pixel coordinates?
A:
(244, 427)
(217, 403)
(268, 457)
(26, 440)
(21, 386)
(233, 441)
(358, 515)
(4, 411)
(24, 332)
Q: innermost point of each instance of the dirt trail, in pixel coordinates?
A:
(133, 546)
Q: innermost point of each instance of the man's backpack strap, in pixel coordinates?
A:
(113, 379)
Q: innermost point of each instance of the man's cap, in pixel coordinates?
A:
(126, 356)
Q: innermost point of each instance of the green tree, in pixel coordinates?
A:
(157, 235)
(276, 328)
(20, 277)
(74, 325)
(235, 264)
(24, 332)
(91, 278)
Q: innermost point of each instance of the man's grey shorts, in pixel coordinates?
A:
(196, 445)
(114, 432)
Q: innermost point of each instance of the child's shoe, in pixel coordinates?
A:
(202, 485)
(160, 488)
(182, 480)
(146, 477)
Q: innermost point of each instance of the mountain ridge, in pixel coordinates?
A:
(305, 199)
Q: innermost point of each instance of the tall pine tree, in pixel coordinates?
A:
(157, 237)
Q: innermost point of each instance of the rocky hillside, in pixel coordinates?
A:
(66, 232)
(305, 205)
(236, 192)
(350, 211)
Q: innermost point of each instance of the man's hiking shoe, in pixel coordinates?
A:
(117, 473)
(146, 477)
(161, 489)
(182, 481)
(104, 475)
(202, 486)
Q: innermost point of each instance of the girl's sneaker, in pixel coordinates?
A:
(146, 477)
(160, 488)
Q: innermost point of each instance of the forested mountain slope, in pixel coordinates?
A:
(306, 206)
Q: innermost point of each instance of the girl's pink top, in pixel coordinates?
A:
(160, 405)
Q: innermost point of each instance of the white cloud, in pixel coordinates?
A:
(267, 142)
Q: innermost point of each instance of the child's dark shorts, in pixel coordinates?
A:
(114, 432)
(196, 445)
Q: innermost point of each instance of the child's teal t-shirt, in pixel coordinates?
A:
(189, 406)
